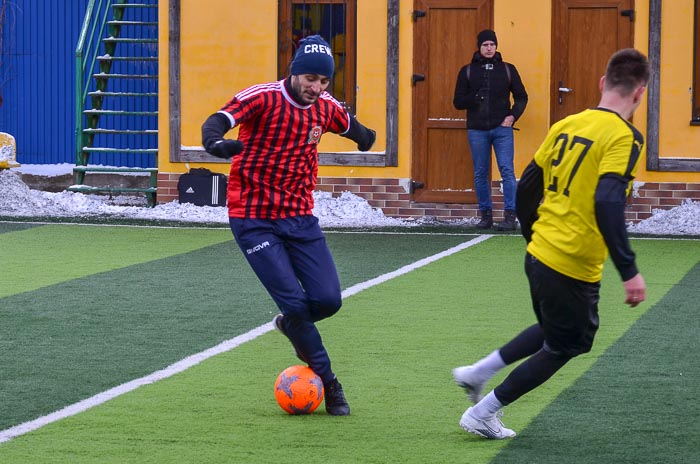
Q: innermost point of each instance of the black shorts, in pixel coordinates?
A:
(566, 308)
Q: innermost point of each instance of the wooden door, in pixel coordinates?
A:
(584, 35)
(444, 41)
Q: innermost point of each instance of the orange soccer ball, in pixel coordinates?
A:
(299, 390)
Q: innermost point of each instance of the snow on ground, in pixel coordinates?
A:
(18, 200)
(347, 210)
(683, 220)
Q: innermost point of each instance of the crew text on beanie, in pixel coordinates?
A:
(485, 36)
(313, 56)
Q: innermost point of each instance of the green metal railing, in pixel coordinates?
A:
(95, 53)
(86, 53)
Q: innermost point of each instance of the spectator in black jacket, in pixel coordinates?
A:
(484, 89)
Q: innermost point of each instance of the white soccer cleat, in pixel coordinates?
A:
(466, 378)
(491, 428)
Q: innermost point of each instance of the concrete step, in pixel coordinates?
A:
(61, 182)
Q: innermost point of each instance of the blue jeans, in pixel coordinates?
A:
(480, 142)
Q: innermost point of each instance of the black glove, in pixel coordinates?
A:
(481, 94)
(225, 148)
(367, 140)
(363, 136)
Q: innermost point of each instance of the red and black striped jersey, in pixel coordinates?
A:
(275, 175)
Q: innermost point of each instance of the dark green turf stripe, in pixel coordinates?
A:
(72, 340)
(14, 226)
(637, 404)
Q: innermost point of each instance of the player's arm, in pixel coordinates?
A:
(610, 199)
(358, 133)
(528, 196)
(213, 131)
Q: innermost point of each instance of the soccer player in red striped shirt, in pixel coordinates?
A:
(270, 196)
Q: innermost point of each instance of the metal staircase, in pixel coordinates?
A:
(117, 94)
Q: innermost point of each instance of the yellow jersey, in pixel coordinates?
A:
(577, 151)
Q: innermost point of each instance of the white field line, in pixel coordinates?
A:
(186, 363)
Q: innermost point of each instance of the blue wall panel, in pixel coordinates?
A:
(37, 78)
(37, 83)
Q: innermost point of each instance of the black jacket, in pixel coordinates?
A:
(486, 93)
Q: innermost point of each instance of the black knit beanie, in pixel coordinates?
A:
(485, 36)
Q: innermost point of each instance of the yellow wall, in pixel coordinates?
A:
(245, 33)
(519, 33)
(224, 48)
(677, 138)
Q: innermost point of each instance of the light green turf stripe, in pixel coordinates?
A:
(51, 254)
(392, 346)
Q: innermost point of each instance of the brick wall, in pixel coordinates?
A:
(167, 187)
(393, 198)
(648, 196)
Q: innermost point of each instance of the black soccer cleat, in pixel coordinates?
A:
(336, 404)
(279, 325)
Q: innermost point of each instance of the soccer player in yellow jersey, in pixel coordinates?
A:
(571, 206)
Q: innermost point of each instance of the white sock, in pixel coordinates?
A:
(487, 407)
(489, 365)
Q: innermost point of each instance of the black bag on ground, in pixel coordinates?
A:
(202, 187)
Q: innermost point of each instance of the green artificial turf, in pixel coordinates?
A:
(637, 404)
(392, 345)
(81, 336)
